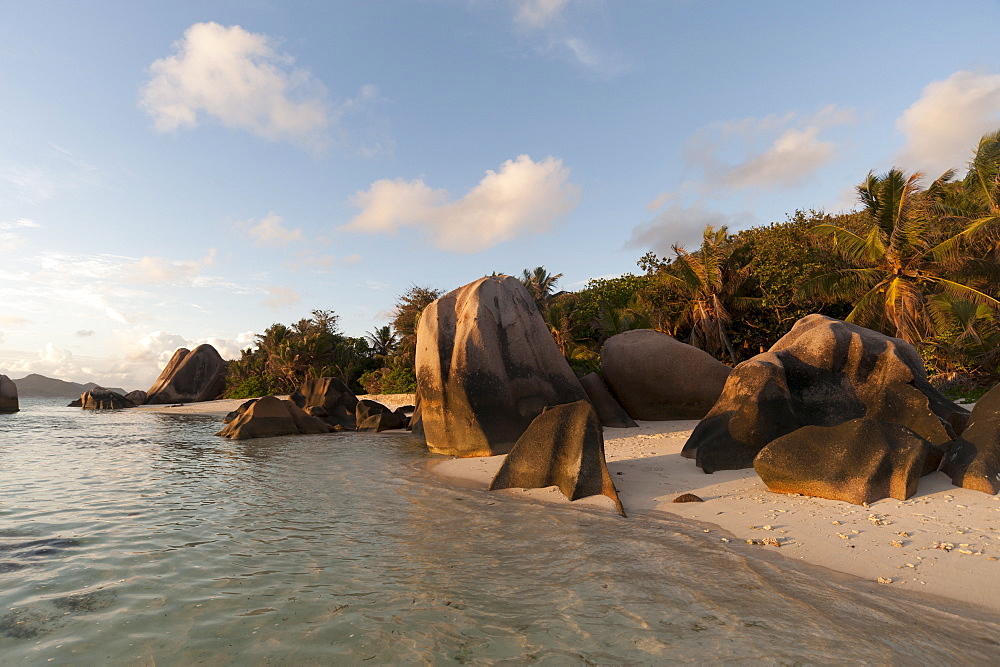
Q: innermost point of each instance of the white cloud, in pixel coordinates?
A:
(20, 223)
(51, 361)
(10, 240)
(944, 126)
(156, 346)
(535, 14)
(770, 152)
(682, 226)
(239, 78)
(270, 232)
(279, 297)
(162, 270)
(523, 196)
(231, 348)
(544, 24)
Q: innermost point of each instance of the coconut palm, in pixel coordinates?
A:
(382, 340)
(901, 259)
(540, 284)
(709, 282)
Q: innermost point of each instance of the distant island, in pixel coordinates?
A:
(39, 386)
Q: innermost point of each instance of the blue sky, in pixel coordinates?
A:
(180, 172)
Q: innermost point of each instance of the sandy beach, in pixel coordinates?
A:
(944, 540)
(224, 406)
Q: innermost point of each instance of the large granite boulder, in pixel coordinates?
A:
(271, 416)
(486, 366)
(137, 396)
(100, 398)
(973, 461)
(368, 408)
(562, 447)
(384, 421)
(857, 461)
(821, 373)
(330, 394)
(191, 376)
(609, 411)
(243, 407)
(655, 376)
(8, 395)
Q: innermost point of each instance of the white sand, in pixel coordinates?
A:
(224, 406)
(890, 539)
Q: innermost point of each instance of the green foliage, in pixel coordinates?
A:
(287, 356)
(389, 380)
(253, 387)
(407, 311)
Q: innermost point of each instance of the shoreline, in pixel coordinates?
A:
(944, 540)
(223, 406)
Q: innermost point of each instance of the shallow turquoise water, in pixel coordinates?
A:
(131, 537)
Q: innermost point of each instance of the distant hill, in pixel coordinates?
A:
(39, 386)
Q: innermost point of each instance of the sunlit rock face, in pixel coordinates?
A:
(821, 373)
(191, 376)
(271, 416)
(486, 366)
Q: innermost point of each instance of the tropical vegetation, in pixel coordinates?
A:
(920, 262)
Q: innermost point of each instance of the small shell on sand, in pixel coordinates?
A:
(688, 498)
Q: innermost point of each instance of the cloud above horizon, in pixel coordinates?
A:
(682, 226)
(240, 79)
(278, 297)
(158, 270)
(523, 197)
(270, 232)
(544, 23)
(943, 127)
(776, 151)
(535, 14)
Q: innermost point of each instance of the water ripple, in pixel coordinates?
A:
(145, 538)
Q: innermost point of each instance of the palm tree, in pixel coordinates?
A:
(540, 284)
(383, 341)
(709, 281)
(901, 259)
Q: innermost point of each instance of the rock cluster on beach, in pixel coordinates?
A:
(486, 366)
(100, 398)
(562, 447)
(833, 410)
(271, 416)
(8, 395)
(491, 380)
(329, 399)
(189, 377)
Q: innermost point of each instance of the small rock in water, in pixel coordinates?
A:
(688, 498)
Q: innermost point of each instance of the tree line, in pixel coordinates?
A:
(916, 260)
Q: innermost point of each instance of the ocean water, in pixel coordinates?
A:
(137, 538)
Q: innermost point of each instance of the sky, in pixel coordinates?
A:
(174, 173)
